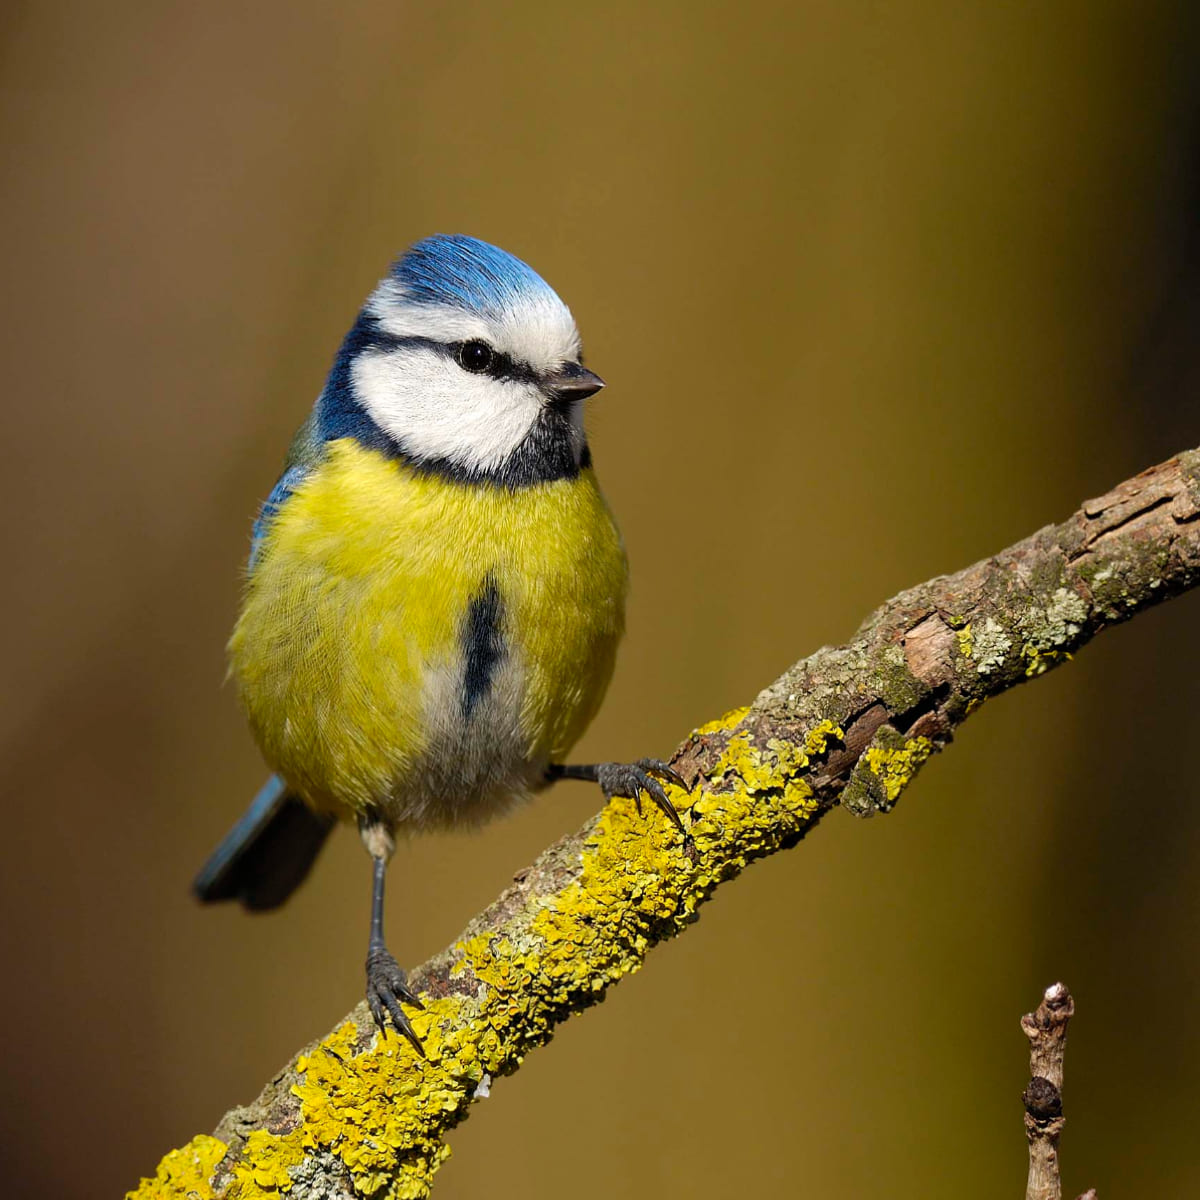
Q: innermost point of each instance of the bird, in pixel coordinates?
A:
(435, 588)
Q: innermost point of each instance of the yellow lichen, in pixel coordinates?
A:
(817, 740)
(965, 640)
(263, 1169)
(371, 1110)
(780, 767)
(1038, 662)
(753, 773)
(183, 1174)
(895, 766)
(728, 721)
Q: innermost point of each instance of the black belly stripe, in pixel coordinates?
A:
(483, 645)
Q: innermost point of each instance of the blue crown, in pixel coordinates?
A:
(463, 272)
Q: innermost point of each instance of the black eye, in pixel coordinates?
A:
(475, 356)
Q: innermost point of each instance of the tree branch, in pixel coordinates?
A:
(358, 1114)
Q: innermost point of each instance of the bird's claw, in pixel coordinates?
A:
(658, 767)
(387, 989)
(632, 779)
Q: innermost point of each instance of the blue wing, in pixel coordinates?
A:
(305, 453)
(267, 854)
(284, 486)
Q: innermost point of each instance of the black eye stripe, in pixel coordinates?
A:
(501, 367)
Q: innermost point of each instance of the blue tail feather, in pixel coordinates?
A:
(268, 852)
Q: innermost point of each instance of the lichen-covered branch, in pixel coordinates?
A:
(358, 1114)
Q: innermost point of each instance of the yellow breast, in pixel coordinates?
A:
(351, 646)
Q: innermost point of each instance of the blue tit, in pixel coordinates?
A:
(436, 586)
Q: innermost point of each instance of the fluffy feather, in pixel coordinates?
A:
(352, 651)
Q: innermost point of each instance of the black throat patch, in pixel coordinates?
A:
(483, 644)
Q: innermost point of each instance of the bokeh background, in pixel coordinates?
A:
(877, 290)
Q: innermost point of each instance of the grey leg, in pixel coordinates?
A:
(387, 984)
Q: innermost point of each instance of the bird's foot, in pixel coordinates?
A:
(632, 779)
(387, 989)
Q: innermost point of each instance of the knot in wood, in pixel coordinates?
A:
(1043, 1101)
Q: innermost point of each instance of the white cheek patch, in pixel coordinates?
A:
(434, 409)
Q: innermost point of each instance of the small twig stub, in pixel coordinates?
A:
(1046, 1029)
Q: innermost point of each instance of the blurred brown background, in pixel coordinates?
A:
(877, 290)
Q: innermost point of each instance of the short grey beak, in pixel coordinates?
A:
(572, 382)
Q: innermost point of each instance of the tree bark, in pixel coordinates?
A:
(359, 1114)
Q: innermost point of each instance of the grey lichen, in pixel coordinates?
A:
(991, 644)
(322, 1176)
(1058, 624)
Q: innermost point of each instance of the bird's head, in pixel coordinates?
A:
(464, 360)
